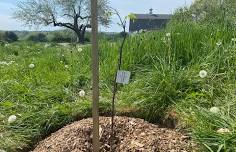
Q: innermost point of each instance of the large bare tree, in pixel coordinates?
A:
(71, 14)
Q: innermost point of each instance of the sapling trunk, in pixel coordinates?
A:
(115, 85)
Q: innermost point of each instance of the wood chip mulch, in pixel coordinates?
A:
(131, 135)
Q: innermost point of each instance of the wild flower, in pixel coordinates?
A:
(142, 31)
(223, 130)
(12, 119)
(82, 93)
(134, 33)
(219, 43)
(6, 45)
(233, 39)
(67, 66)
(3, 63)
(46, 45)
(168, 34)
(80, 49)
(193, 15)
(215, 110)
(202, 74)
(31, 66)
(6, 63)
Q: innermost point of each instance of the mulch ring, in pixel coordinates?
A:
(131, 135)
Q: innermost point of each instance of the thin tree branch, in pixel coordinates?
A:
(68, 15)
(55, 23)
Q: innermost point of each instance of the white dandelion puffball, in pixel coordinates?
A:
(46, 45)
(223, 130)
(219, 43)
(202, 73)
(66, 66)
(215, 110)
(80, 49)
(6, 45)
(82, 93)
(12, 119)
(31, 66)
(168, 34)
(233, 39)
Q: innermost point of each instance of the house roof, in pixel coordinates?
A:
(153, 16)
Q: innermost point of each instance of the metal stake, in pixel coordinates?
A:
(95, 75)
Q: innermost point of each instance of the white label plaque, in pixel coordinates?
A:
(123, 77)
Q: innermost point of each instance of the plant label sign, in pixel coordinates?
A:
(123, 77)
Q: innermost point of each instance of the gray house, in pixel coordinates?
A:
(149, 21)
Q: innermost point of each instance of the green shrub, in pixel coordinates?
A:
(37, 37)
(8, 36)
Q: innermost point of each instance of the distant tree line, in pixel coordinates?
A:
(8, 36)
(74, 15)
(59, 36)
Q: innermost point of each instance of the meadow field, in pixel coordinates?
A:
(186, 72)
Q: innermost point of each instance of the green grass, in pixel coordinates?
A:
(165, 76)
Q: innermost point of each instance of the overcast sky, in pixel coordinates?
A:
(123, 6)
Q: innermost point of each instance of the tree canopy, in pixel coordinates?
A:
(71, 14)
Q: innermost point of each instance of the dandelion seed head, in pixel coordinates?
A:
(202, 74)
(67, 66)
(6, 63)
(12, 119)
(82, 93)
(215, 110)
(31, 66)
(142, 31)
(168, 34)
(3, 63)
(46, 45)
(233, 39)
(80, 49)
(6, 45)
(223, 130)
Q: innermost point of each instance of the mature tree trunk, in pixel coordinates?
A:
(80, 35)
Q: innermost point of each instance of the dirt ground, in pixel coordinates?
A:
(131, 135)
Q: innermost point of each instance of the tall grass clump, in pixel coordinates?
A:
(171, 81)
